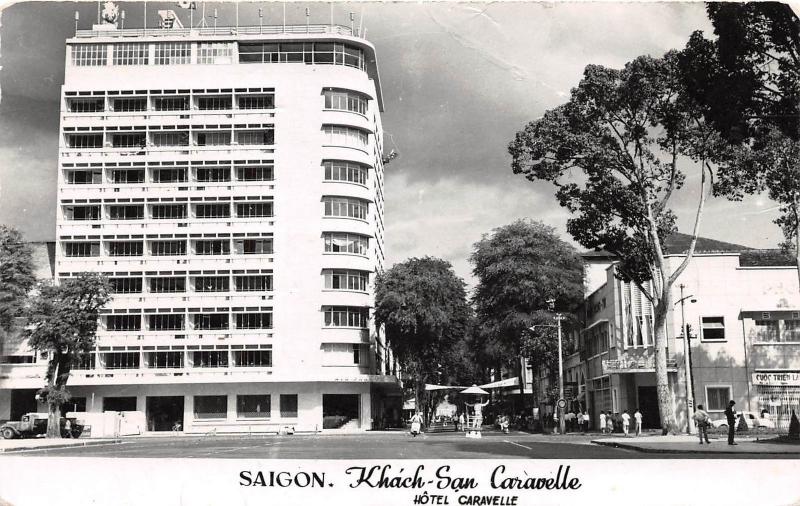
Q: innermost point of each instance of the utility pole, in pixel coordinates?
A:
(561, 424)
(687, 362)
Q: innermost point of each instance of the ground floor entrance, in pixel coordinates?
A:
(164, 413)
(341, 411)
(648, 405)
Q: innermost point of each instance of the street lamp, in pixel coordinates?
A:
(687, 354)
(551, 302)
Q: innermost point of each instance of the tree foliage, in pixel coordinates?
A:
(617, 152)
(62, 320)
(746, 84)
(16, 275)
(422, 306)
(520, 267)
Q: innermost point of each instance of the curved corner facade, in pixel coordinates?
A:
(230, 185)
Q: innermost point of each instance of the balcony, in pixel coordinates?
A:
(628, 365)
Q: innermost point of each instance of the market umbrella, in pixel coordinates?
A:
(475, 389)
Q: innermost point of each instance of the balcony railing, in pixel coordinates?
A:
(220, 30)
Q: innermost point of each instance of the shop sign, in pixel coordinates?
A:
(776, 378)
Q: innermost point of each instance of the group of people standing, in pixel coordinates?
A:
(612, 422)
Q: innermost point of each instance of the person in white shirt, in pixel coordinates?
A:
(580, 422)
(638, 417)
(586, 421)
(603, 422)
(626, 422)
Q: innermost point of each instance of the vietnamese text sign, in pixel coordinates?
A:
(776, 378)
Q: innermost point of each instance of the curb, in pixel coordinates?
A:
(627, 446)
(60, 446)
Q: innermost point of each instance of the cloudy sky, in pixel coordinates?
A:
(459, 79)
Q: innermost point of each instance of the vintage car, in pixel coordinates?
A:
(752, 420)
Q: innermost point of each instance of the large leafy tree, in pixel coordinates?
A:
(422, 306)
(616, 152)
(519, 268)
(16, 276)
(62, 320)
(746, 82)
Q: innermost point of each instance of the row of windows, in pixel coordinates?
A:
(216, 53)
(138, 53)
(346, 207)
(180, 138)
(346, 316)
(336, 135)
(345, 279)
(176, 359)
(345, 100)
(209, 247)
(208, 174)
(166, 284)
(168, 211)
(199, 321)
(346, 171)
(308, 52)
(341, 242)
(205, 102)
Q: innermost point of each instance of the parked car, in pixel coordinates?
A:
(752, 420)
(35, 424)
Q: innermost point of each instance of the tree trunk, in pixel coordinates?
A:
(665, 411)
(53, 420)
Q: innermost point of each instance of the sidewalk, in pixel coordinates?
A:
(17, 445)
(685, 443)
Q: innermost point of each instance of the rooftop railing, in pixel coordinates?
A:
(220, 31)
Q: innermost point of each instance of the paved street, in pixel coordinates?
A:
(375, 445)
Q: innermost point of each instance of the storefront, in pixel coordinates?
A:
(778, 394)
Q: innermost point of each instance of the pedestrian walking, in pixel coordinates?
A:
(730, 414)
(460, 422)
(637, 416)
(416, 424)
(603, 422)
(580, 422)
(701, 418)
(610, 422)
(626, 422)
(555, 421)
(587, 421)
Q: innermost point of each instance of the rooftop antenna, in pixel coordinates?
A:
(237, 16)
(308, 13)
(77, 17)
(260, 20)
(361, 21)
(144, 17)
(203, 16)
(215, 21)
(352, 23)
(122, 20)
(98, 13)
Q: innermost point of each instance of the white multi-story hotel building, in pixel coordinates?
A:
(229, 182)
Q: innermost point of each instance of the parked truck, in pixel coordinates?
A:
(35, 424)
